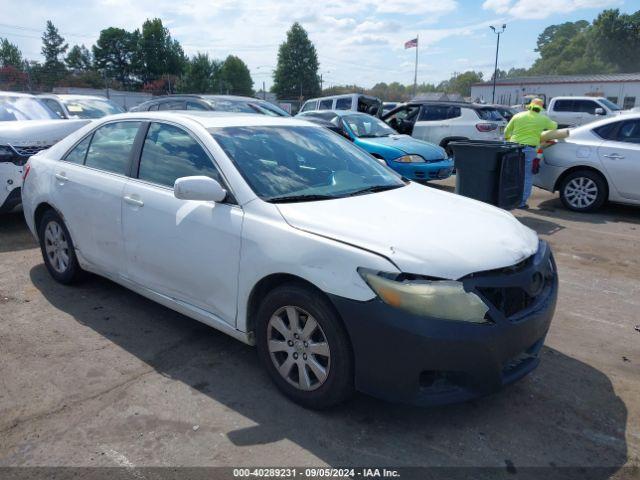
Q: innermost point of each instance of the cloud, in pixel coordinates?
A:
(539, 9)
(410, 7)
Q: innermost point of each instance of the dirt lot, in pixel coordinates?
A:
(95, 375)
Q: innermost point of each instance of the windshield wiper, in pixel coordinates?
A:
(299, 198)
(374, 189)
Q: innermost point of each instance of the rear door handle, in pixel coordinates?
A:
(61, 177)
(133, 201)
(614, 156)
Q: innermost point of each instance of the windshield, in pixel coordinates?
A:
(612, 106)
(285, 163)
(266, 108)
(489, 114)
(23, 108)
(91, 108)
(366, 126)
(230, 106)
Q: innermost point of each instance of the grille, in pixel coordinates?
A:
(509, 301)
(27, 151)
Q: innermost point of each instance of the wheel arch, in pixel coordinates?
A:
(40, 211)
(577, 168)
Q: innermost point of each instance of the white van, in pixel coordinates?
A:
(350, 101)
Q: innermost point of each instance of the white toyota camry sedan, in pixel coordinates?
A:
(286, 236)
(599, 161)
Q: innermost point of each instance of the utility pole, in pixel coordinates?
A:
(495, 69)
(264, 91)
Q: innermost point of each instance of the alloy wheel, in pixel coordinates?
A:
(581, 192)
(298, 348)
(56, 246)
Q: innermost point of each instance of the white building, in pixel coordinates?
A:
(620, 88)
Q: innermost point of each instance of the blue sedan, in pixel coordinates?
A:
(413, 159)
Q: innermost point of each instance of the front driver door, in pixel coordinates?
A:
(621, 158)
(188, 250)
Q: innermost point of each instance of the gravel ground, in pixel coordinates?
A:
(95, 375)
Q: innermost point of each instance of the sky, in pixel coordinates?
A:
(358, 41)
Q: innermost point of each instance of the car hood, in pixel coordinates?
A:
(420, 229)
(37, 132)
(407, 145)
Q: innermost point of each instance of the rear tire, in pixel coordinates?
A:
(311, 362)
(583, 191)
(57, 249)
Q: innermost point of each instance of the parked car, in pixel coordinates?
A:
(221, 103)
(413, 159)
(599, 161)
(388, 106)
(26, 128)
(80, 106)
(506, 112)
(443, 122)
(284, 235)
(576, 111)
(356, 102)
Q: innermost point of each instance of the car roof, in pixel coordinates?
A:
(212, 119)
(205, 96)
(342, 95)
(69, 96)
(450, 102)
(16, 94)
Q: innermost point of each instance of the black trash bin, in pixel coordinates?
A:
(490, 171)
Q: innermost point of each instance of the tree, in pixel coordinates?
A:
(460, 83)
(158, 54)
(10, 54)
(202, 74)
(297, 72)
(235, 77)
(53, 47)
(616, 39)
(79, 59)
(115, 53)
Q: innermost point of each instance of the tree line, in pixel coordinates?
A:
(146, 59)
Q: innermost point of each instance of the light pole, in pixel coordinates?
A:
(495, 70)
(270, 72)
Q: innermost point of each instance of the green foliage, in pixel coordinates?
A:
(115, 53)
(297, 72)
(9, 54)
(79, 59)
(53, 47)
(617, 39)
(157, 53)
(202, 75)
(460, 83)
(235, 77)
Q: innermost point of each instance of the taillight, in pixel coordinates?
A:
(486, 127)
(25, 172)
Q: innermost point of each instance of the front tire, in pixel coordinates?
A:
(304, 346)
(583, 191)
(57, 249)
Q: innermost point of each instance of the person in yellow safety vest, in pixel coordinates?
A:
(525, 128)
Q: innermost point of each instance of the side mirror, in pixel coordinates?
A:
(599, 111)
(199, 188)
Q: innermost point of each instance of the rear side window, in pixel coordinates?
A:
(111, 146)
(170, 153)
(55, 106)
(432, 113)
(629, 131)
(195, 106)
(607, 131)
(563, 106)
(343, 103)
(326, 104)
(309, 106)
(79, 152)
(153, 107)
(172, 105)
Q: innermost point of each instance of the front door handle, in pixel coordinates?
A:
(614, 156)
(133, 201)
(61, 177)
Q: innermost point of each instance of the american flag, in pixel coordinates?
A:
(411, 43)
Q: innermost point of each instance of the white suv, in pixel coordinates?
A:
(443, 122)
(576, 111)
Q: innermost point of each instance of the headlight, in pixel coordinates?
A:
(443, 299)
(410, 159)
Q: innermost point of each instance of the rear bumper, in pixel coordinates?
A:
(12, 201)
(547, 176)
(429, 361)
(423, 171)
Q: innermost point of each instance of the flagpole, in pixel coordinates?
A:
(415, 75)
